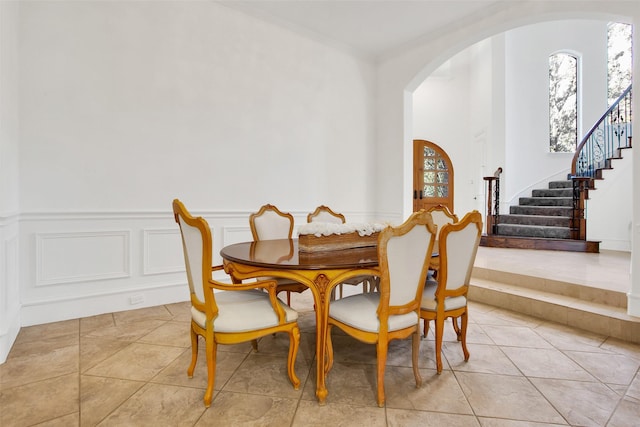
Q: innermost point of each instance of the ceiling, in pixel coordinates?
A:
(370, 28)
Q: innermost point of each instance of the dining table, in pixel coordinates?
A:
(319, 271)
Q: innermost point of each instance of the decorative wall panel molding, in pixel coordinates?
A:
(9, 292)
(81, 256)
(231, 235)
(162, 251)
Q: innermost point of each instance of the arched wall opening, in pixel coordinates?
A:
(414, 73)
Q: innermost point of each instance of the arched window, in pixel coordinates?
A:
(619, 61)
(563, 103)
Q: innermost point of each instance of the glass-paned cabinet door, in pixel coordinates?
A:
(432, 176)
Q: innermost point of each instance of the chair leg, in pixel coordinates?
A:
(254, 344)
(194, 353)
(328, 360)
(373, 286)
(211, 369)
(415, 357)
(294, 343)
(463, 335)
(425, 328)
(456, 328)
(439, 333)
(381, 364)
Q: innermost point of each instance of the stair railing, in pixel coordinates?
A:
(604, 141)
(493, 201)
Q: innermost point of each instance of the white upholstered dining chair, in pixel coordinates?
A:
(447, 296)
(392, 312)
(228, 314)
(441, 215)
(269, 223)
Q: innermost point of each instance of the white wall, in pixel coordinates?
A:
(454, 109)
(609, 208)
(125, 106)
(456, 106)
(527, 103)
(9, 284)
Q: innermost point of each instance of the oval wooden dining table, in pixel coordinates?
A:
(320, 271)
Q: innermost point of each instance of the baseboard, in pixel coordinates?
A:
(47, 311)
(9, 334)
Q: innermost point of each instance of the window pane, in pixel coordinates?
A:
(429, 177)
(429, 164)
(429, 191)
(563, 102)
(619, 64)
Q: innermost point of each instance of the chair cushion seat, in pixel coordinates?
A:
(241, 311)
(429, 299)
(360, 311)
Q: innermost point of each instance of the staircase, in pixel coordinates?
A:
(554, 218)
(547, 213)
(542, 221)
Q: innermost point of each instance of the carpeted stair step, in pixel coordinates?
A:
(545, 215)
(541, 220)
(546, 201)
(534, 231)
(553, 192)
(541, 210)
(560, 184)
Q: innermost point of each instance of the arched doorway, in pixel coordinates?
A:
(432, 176)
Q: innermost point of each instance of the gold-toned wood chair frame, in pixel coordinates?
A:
(322, 208)
(471, 219)
(284, 285)
(383, 336)
(210, 308)
(441, 215)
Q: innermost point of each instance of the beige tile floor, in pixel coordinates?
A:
(129, 369)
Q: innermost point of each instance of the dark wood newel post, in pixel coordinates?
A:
(578, 221)
(493, 201)
(489, 220)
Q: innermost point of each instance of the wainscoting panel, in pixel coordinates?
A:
(11, 292)
(231, 235)
(78, 264)
(81, 257)
(9, 286)
(162, 251)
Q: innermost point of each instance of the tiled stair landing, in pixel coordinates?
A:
(595, 310)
